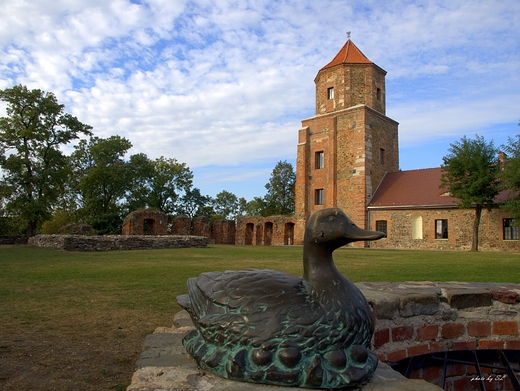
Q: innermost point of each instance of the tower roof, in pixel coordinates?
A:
(348, 54)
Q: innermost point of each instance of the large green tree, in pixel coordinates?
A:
(35, 171)
(469, 173)
(226, 205)
(510, 176)
(104, 178)
(280, 190)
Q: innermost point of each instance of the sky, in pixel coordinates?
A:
(223, 85)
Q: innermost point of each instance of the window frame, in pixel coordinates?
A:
(382, 226)
(509, 230)
(330, 93)
(443, 234)
(319, 197)
(319, 160)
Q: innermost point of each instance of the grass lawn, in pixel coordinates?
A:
(74, 320)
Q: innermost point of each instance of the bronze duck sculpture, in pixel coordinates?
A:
(266, 326)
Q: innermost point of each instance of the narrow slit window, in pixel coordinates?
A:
(318, 197)
(330, 93)
(320, 160)
(381, 156)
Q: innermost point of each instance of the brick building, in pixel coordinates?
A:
(345, 149)
(348, 157)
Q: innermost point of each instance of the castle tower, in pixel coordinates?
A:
(345, 150)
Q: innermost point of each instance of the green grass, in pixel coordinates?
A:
(41, 283)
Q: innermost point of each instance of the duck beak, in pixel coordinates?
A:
(354, 234)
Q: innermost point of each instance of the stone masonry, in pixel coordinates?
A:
(116, 242)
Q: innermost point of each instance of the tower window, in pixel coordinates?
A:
(330, 93)
(381, 156)
(318, 197)
(378, 94)
(320, 160)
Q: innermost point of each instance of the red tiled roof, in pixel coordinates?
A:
(416, 188)
(412, 188)
(348, 54)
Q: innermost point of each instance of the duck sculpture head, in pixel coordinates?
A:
(266, 326)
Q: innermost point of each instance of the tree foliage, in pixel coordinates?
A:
(280, 190)
(469, 173)
(510, 175)
(35, 170)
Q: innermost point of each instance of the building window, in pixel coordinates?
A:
(318, 197)
(320, 160)
(441, 229)
(378, 94)
(381, 226)
(510, 229)
(330, 93)
(417, 227)
(381, 156)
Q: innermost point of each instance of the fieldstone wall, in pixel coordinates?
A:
(116, 242)
(460, 229)
(8, 239)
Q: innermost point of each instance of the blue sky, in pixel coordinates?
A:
(223, 85)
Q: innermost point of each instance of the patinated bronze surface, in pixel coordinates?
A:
(265, 326)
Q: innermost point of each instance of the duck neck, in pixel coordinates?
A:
(318, 266)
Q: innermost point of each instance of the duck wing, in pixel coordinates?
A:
(246, 306)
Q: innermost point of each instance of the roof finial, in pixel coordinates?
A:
(348, 34)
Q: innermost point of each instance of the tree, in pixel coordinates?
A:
(104, 180)
(194, 204)
(510, 176)
(226, 204)
(469, 173)
(36, 171)
(280, 190)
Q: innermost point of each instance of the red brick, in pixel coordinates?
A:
(430, 374)
(505, 328)
(427, 332)
(514, 344)
(456, 370)
(382, 356)
(479, 329)
(438, 347)
(452, 330)
(381, 337)
(464, 345)
(465, 384)
(397, 355)
(418, 350)
(402, 333)
(490, 344)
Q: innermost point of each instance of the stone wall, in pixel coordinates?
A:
(415, 318)
(460, 229)
(7, 239)
(116, 242)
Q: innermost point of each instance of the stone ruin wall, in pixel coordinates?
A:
(269, 231)
(116, 242)
(415, 318)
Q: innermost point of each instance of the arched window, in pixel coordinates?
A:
(417, 227)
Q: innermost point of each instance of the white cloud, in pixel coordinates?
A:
(225, 83)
